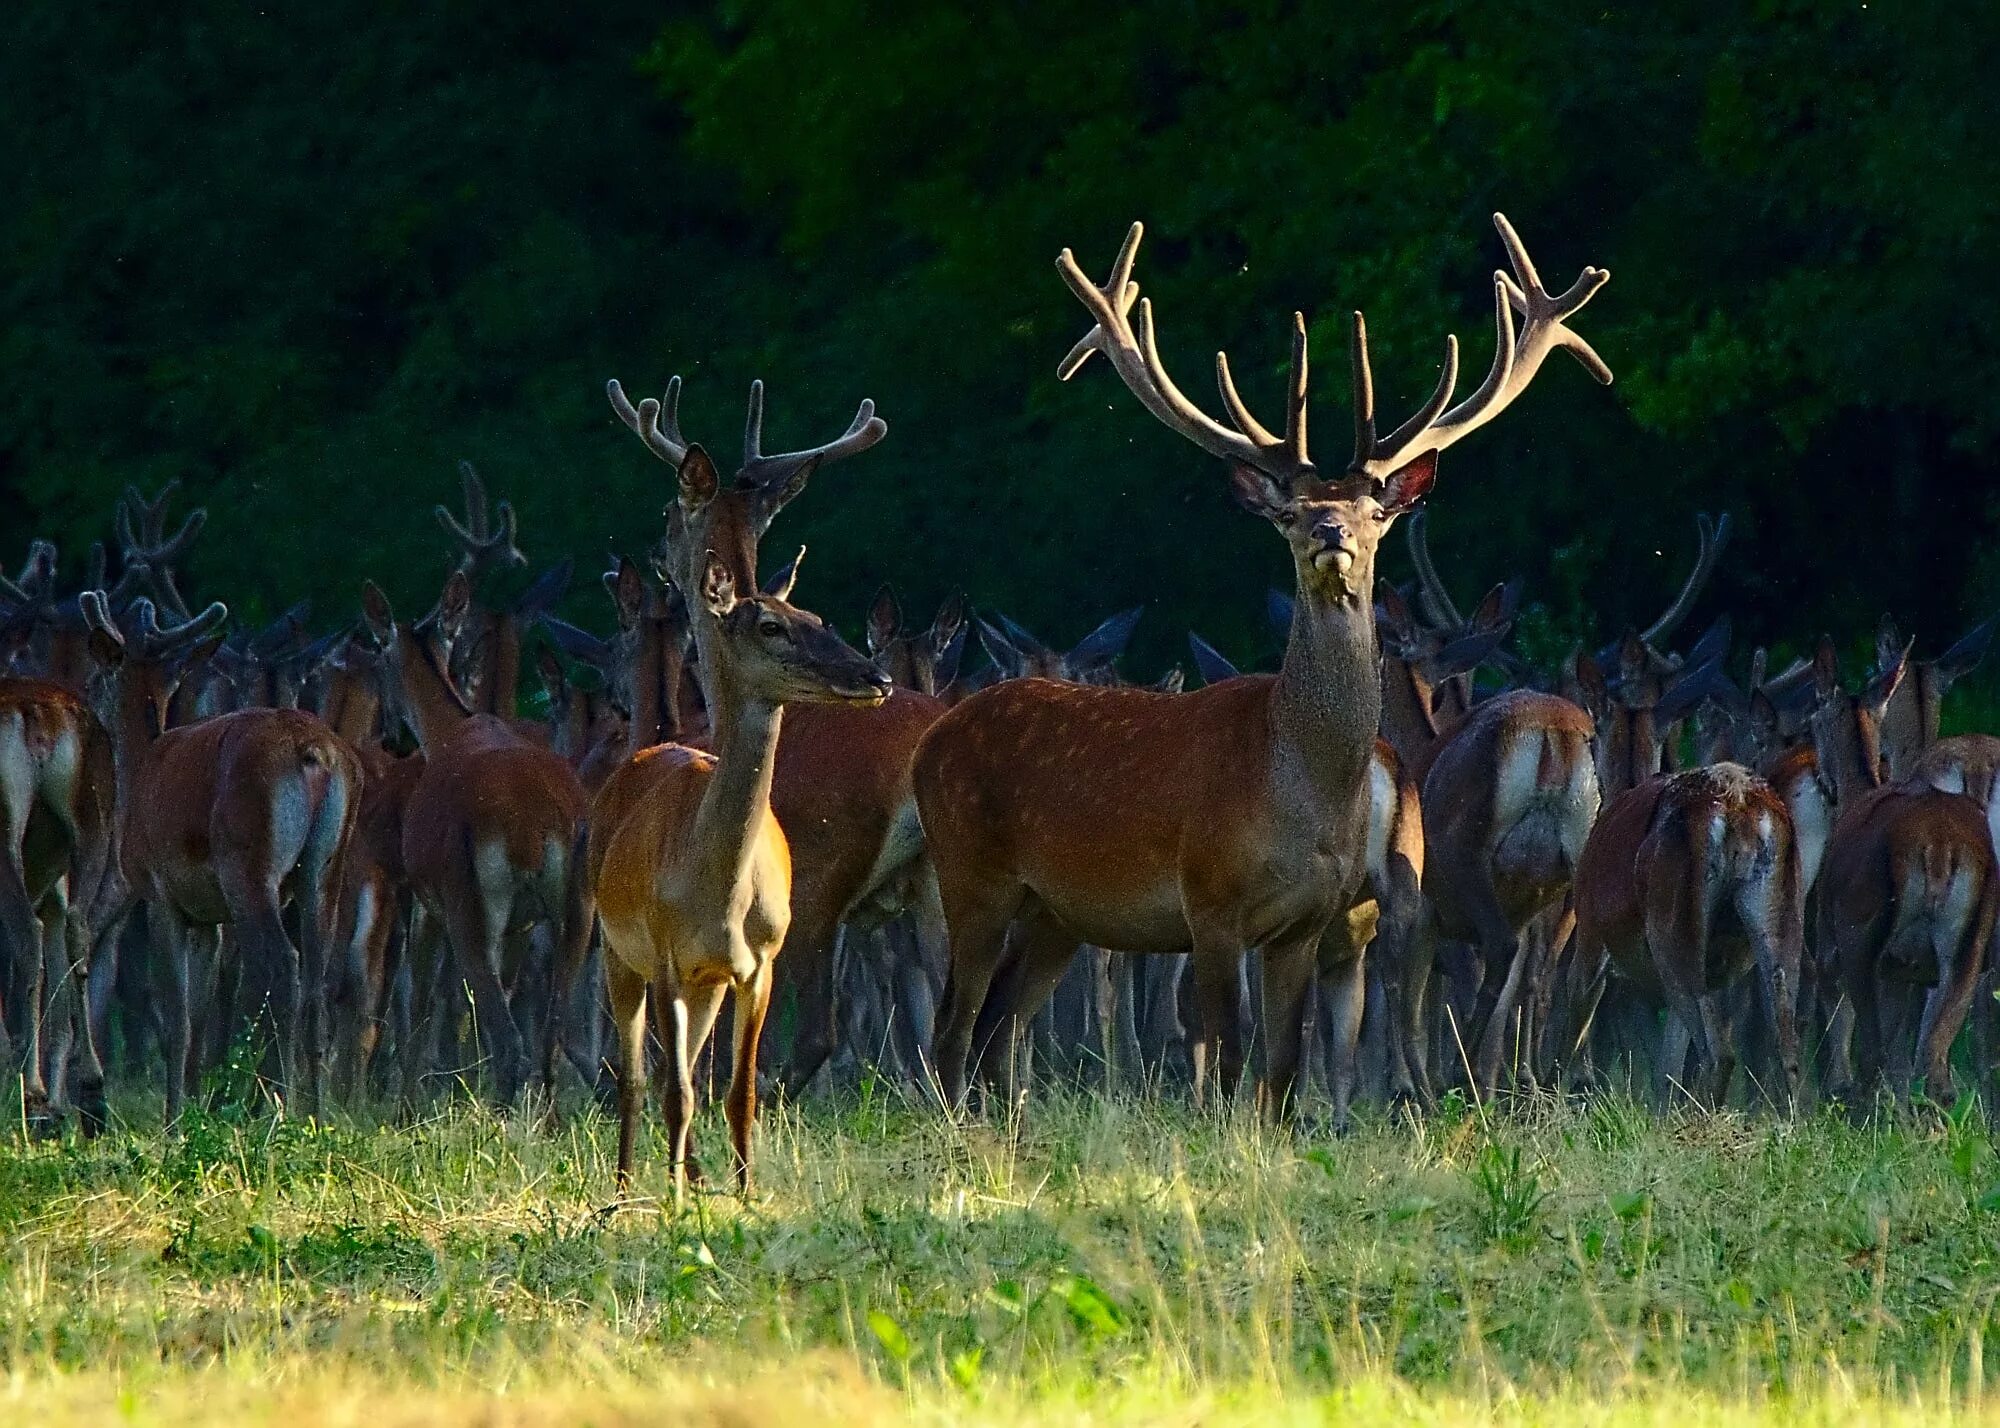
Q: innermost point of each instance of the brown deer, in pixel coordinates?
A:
(1689, 883)
(1910, 720)
(691, 868)
(57, 780)
(924, 660)
(1906, 902)
(841, 786)
(223, 822)
(492, 836)
(1235, 816)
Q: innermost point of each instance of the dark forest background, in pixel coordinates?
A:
(305, 260)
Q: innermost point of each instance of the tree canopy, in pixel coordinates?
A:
(306, 260)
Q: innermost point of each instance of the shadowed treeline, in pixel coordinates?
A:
(306, 260)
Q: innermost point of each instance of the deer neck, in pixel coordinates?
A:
(350, 708)
(500, 681)
(141, 719)
(743, 733)
(434, 715)
(1408, 720)
(1327, 703)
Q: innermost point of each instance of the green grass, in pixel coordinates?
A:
(1107, 1260)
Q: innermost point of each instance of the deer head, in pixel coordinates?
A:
(145, 661)
(923, 660)
(730, 519)
(1847, 728)
(771, 652)
(1018, 654)
(414, 661)
(1333, 526)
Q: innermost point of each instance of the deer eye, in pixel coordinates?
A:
(770, 628)
(1288, 519)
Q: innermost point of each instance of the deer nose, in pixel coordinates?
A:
(1333, 532)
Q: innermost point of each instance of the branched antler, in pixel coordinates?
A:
(1131, 347)
(150, 554)
(484, 543)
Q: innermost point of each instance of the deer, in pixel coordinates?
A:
(690, 865)
(924, 660)
(1906, 902)
(492, 835)
(1364, 956)
(841, 783)
(221, 823)
(57, 782)
(1688, 884)
(1910, 720)
(1234, 816)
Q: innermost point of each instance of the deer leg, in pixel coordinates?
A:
(627, 991)
(474, 929)
(1777, 947)
(807, 962)
(1344, 975)
(1946, 1004)
(1677, 1037)
(978, 920)
(572, 950)
(753, 1002)
(1218, 1047)
(690, 1018)
(169, 935)
(1044, 953)
(1288, 978)
(93, 1114)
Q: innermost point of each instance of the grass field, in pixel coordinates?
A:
(1101, 1260)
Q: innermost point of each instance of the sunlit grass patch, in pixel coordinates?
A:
(1116, 1258)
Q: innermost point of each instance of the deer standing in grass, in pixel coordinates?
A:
(222, 822)
(1233, 817)
(1906, 903)
(1689, 883)
(57, 780)
(492, 837)
(841, 786)
(691, 869)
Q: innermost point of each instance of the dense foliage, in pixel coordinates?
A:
(305, 259)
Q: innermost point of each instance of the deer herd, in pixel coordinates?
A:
(355, 858)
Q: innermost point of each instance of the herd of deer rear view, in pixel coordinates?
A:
(1363, 875)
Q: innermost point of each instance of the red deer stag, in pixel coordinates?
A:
(841, 788)
(1233, 817)
(492, 836)
(691, 869)
(223, 822)
(1906, 902)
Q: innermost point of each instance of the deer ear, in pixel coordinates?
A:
(453, 604)
(1409, 484)
(781, 493)
(1763, 714)
(1393, 609)
(1826, 668)
(884, 619)
(786, 580)
(699, 481)
(628, 593)
(949, 623)
(1258, 493)
(718, 587)
(377, 615)
(1882, 688)
(1590, 679)
(1497, 609)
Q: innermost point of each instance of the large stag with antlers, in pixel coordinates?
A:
(841, 783)
(1233, 817)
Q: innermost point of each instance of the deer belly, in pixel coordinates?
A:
(1142, 917)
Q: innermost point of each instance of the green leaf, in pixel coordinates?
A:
(964, 1366)
(1094, 1311)
(1411, 1208)
(1631, 1205)
(889, 1334)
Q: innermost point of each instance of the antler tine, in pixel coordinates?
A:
(1712, 536)
(656, 421)
(760, 470)
(477, 520)
(1132, 348)
(11, 592)
(96, 615)
(160, 640)
(1518, 355)
(1364, 390)
(1431, 592)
